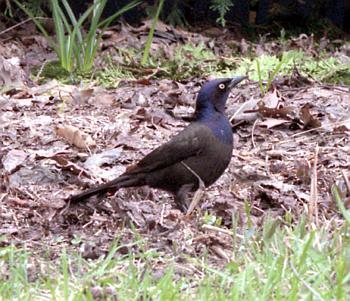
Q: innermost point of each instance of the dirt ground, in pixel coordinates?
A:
(291, 146)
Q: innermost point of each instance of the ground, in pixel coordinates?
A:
(291, 146)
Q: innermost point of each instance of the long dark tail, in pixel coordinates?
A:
(112, 186)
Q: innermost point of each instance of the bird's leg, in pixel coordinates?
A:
(181, 196)
(195, 200)
(199, 192)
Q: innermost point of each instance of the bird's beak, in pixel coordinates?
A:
(236, 80)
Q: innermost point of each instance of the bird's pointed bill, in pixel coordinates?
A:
(237, 80)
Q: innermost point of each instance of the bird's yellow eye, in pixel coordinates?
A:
(222, 86)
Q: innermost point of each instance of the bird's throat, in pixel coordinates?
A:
(219, 125)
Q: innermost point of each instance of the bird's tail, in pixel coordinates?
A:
(112, 186)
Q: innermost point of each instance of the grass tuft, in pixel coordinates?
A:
(280, 262)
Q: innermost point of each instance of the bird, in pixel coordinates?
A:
(199, 153)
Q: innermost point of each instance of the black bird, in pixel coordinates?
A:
(203, 149)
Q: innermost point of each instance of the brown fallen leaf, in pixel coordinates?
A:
(273, 122)
(270, 106)
(343, 127)
(283, 112)
(13, 159)
(242, 111)
(60, 158)
(75, 136)
(303, 171)
(309, 121)
(11, 74)
(95, 162)
(81, 96)
(103, 100)
(272, 99)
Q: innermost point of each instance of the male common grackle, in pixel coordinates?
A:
(203, 149)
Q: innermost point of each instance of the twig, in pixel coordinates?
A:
(237, 123)
(66, 207)
(346, 180)
(2, 196)
(220, 252)
(253, 129)
(267, 168)
(19, 24)
(40, 71)
(313, 208)
(198, 194)
(156, 70)
(217, 229)
(314, 129)
(308, 131)
(162, 215)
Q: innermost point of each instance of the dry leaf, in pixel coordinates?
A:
(75, 136)
(274, 112)
(11, 74)
(272, 122)
(93, 164)
(81, 96)
(309, 121)
(13, 159)
(343, 126)
(103, 99)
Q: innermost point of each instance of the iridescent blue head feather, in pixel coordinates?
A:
(213, 95)
(210, 106)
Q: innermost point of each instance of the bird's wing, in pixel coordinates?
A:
(187, 143)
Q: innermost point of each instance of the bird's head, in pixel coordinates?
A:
(213, 94)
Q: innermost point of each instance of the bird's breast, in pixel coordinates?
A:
(221, 128)
(214, 157)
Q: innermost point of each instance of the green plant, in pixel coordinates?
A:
(191, 60)
(111, 75)
(175, 16)
(325, 68)
(272, 75)
(74, 49)
(151, 33)
(276, 262)
(36, 7)
(340, 204)
(221, 7)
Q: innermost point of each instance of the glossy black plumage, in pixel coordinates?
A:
(205, 146)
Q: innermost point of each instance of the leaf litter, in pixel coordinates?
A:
(59, 139)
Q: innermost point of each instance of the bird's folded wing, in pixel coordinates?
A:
(186, 144)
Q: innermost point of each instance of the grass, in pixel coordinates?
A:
(280, 262)
(325, 68)
(146, 51)
(190, 60)
(75, 50)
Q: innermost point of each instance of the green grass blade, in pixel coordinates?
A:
(68, 41)
(340, 204)
(65, 273)
(72, 19)
(306, 248)
(80, 48)
(92, 40)
(59, 31)
(105, 23)
(275, 71)
(151, 33)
